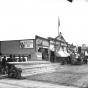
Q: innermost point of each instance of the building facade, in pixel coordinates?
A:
(35, 49)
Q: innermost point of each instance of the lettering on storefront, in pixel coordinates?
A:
(58, 43)
(45, 43)
(52, 42)
(63, 44)
(42, 42)
(39, 41)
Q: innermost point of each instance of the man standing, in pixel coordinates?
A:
(9, 60)
(20, 59)
(23, 59)
(4, 64)
(0, 61)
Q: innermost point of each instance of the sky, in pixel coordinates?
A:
(23, 19)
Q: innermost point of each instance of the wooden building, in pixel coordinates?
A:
(34, 49)
(58, 48)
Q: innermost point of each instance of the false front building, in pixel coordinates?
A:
(36, 49)
(33, 49)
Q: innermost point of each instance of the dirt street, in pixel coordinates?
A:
(64, 76)
(13, 83)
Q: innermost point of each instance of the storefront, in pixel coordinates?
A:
(18, 47)
(58, 49)
(33, 49)
(40, 48)
(42, 45)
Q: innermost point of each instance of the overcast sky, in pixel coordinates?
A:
(23, 19)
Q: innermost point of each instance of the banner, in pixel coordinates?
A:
(26, 44)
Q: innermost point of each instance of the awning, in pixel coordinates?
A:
(61, 54)
(66, 53)
(86, 54)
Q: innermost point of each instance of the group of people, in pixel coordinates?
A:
(5, 66)
(20, 59)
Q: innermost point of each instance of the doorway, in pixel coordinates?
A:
(44, 52)
(52, 55)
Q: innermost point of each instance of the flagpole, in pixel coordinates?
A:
(55, 39)
(58, 25)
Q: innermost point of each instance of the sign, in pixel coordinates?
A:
(39, 55)
(42, 42)
(38, 41)
(58, 43)
(26, 44)
(52, 47)
(63, 44)
(52, 42)
(45, 43)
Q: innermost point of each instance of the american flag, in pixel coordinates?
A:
(58, 22)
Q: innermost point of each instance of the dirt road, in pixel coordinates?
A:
(67, 75)
(9, 83)
(64, 76)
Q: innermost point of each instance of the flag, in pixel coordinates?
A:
(58, 22)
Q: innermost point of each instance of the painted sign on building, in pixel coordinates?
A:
(42, 42)
(45, 43)
(26, 44)
(39, 41)
(63, 44)
(53, 42)
(58, 43)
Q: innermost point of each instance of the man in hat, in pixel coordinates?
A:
(4, 64)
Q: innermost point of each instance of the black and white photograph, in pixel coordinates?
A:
(43, 43)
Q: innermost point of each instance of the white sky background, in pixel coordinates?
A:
(23, 19)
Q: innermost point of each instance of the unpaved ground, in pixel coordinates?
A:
(9, 83)
(65, 75)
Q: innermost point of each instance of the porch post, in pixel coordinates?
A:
(55, 51)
